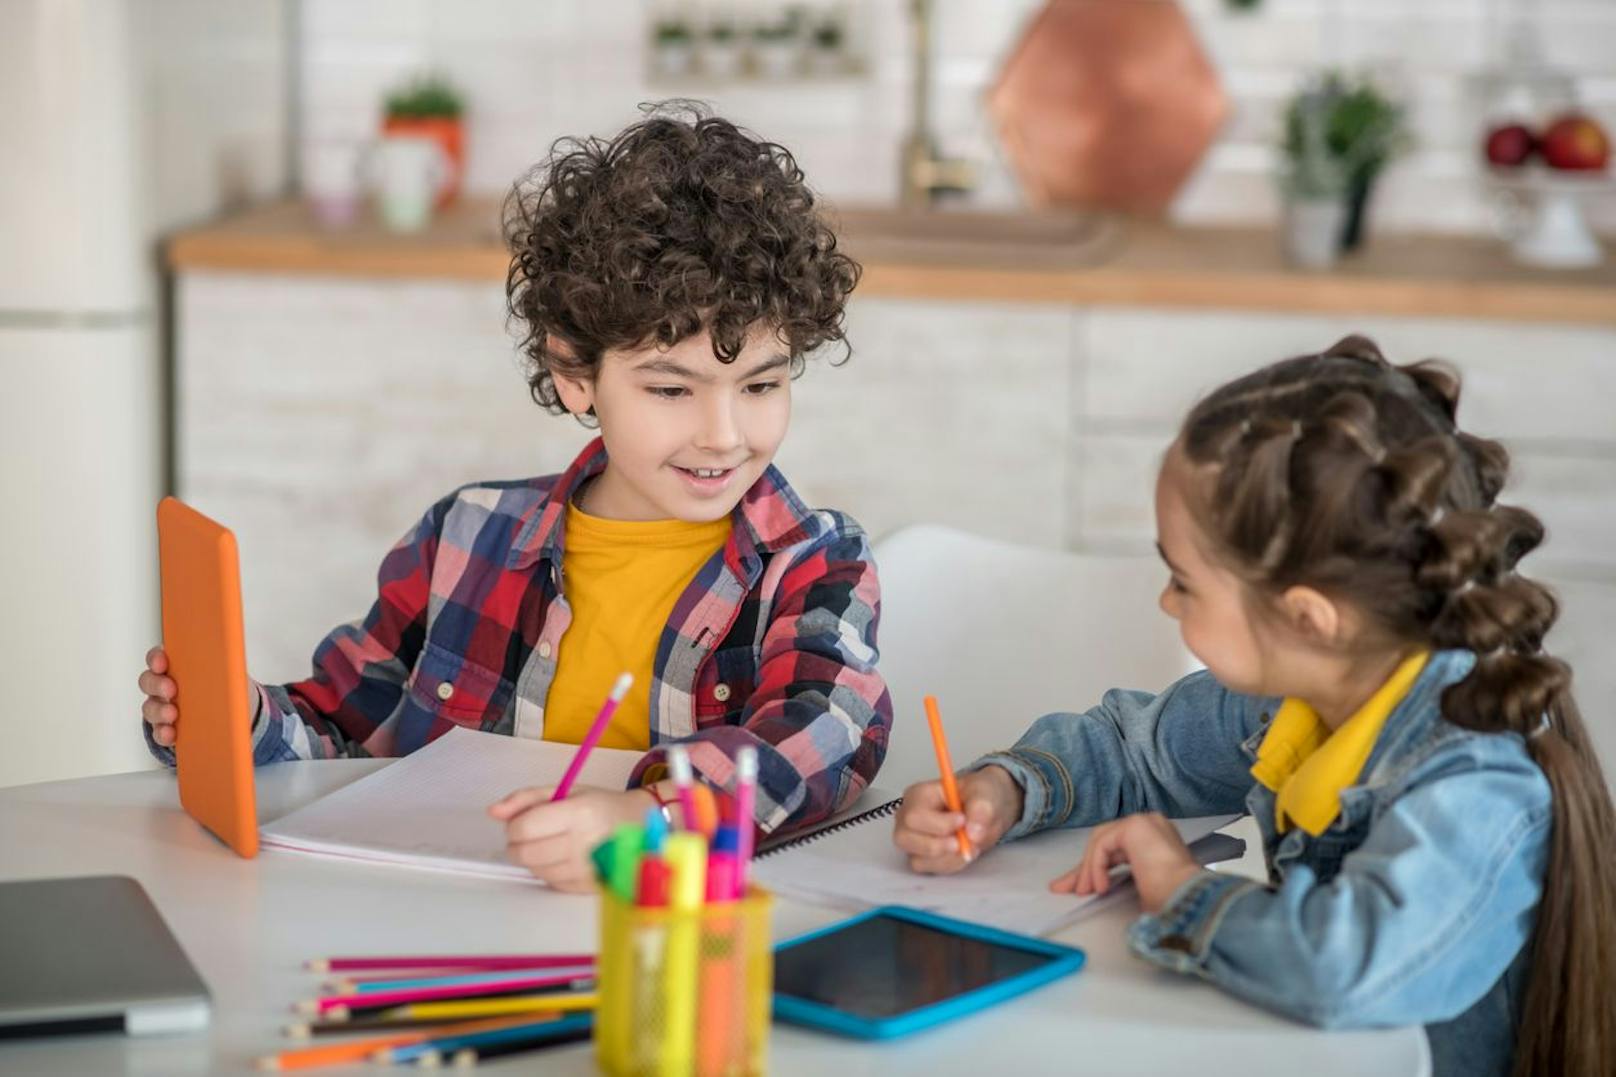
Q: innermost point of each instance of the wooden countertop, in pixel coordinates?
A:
(1044, 258)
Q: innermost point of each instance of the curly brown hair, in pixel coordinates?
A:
(1343, 472)
(682, 222)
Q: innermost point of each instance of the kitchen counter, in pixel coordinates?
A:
(1025, 257)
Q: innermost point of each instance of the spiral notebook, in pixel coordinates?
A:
(851, 863)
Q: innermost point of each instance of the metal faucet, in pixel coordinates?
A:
(925, 173)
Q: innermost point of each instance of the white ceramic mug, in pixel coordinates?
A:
(406, 172)
(333, 179)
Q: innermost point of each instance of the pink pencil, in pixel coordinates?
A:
(596, 731)
(746, 772)
(433, 994)
(468, 962)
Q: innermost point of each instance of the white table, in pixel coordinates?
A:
(249, 924)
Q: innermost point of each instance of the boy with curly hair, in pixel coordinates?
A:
(671, 282)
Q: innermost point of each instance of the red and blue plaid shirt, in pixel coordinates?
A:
(772, 645)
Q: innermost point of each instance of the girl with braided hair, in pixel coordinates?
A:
(1438, 835)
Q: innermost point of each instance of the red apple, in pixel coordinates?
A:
(1575, 142)
(1510, 145)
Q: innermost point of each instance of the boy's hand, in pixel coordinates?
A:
(926, 829)
(1149, 844)
(554, 840)
(159, 710)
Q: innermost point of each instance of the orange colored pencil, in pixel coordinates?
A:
(950, 788)
(337, 1054)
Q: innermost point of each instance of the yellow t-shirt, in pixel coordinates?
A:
(1307, 765)
(621, 578)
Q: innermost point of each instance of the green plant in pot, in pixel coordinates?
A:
(429, 107)
(1361, 129)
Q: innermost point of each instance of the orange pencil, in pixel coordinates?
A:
(337, 1054)
(944, 764)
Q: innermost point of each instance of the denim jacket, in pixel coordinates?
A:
(1415, 905)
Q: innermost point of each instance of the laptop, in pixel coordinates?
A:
(92, 954)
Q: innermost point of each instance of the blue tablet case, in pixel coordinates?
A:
(1063, 961)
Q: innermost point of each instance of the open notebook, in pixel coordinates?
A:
(430, 809)
(853, 864)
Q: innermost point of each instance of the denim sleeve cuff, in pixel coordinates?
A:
(1046, 788)
(1179, 936)
(163, 755)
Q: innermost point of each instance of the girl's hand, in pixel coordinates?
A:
(926, 829)
(159, 710)
(1148, 844)
(554, 840)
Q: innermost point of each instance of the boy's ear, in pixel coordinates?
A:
(1312, 615)
(577, 394)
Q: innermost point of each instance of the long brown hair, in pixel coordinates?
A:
(1348, 474)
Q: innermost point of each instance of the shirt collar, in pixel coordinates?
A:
(1307, 764)
(769, 517)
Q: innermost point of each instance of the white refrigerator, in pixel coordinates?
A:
(123, 119)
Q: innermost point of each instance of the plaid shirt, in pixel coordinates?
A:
(772, 645)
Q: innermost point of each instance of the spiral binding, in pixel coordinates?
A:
(879, 812)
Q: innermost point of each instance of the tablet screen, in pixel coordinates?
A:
(883, 966)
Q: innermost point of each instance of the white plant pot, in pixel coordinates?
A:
(721, 60)
(1312, 231)
(777, 59)
(675, 61)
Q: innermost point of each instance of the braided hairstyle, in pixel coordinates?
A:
(1347, 474)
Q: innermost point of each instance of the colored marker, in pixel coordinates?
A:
(950, 789)
(687, 856)
(596, 731)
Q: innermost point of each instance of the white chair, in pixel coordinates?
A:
(1002, 634)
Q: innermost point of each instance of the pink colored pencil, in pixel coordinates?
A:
(466, 962)
(746, 772)
(596, 731)
(431, 994)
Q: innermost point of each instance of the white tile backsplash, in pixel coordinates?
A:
(535, 71)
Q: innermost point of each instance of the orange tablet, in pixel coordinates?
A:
(208, 661)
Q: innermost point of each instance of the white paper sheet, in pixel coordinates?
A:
(1008, 887)
(430, 809)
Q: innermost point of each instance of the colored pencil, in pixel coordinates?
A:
(304, 1030)
(442, 1045)
(467, 1057)
(684, 781)
(490, 1007)
(468, 962)
(337, 1054)
(596, 731)
(746, 772)
(944, 764)
(385, 999)
(492, 979)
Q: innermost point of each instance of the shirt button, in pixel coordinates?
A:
(544, 649)
(1176, 943)
(445, 690)
(721, 693)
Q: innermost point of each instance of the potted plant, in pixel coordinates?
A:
(1362, 130)
(721, 56)
(775, 46)
(1313, 184)
(829, 37)
(675, 44)
(429, 107)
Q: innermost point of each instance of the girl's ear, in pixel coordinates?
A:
(1312, 615)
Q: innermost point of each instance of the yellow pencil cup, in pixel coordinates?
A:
(684, 993)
